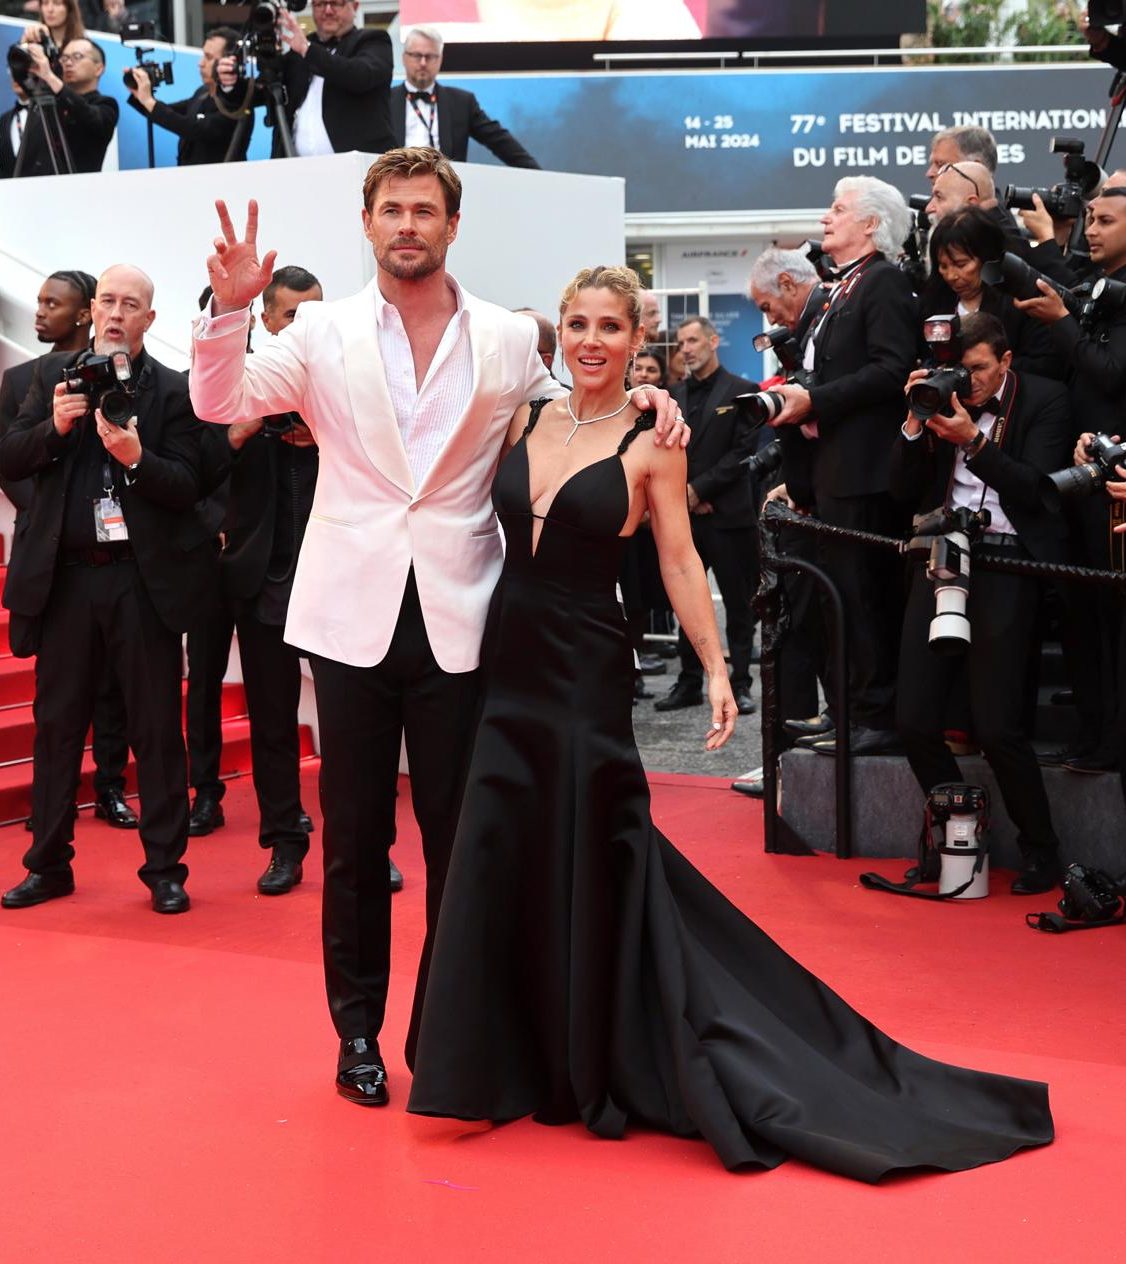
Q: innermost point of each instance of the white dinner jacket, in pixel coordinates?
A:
(369, 523)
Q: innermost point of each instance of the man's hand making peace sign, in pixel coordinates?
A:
(237, 278)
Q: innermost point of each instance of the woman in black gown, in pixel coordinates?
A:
(582, 968)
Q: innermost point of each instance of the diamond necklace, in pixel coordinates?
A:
(588, 421)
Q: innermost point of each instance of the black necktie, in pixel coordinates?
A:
(977, 411)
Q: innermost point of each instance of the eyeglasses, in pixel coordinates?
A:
(424, 56)
(332, 4)
(69, 58)
(953, 166)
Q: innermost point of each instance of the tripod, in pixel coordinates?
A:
(43, 106)
(272, 88)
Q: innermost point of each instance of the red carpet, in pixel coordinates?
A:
(168, 1097)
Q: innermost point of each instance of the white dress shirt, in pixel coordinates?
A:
(309, 135)
(421, 121)
(427, 414)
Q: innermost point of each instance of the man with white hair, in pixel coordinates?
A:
(860, 349)
(424, 113)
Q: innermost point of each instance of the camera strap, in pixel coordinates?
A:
(929, 867)
(1056, 924)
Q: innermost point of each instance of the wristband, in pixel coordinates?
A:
(975, 445)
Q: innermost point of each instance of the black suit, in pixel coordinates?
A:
(864, 348)
(88, 120)
(7, 156)
(110, 748)
(126, 602)
(1029, 340)
(721, 441)
(1002, 607)
(205, 134)
(357, 75)
(460, 119)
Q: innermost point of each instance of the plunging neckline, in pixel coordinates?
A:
(546, 517)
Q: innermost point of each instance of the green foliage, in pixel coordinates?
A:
(955, 24)
(963, 23)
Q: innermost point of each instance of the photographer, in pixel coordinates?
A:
(989, 453)
(87, 118)
(337, 83)
(860, 351)
(205, 133)
(112, 567)
(1095, 351)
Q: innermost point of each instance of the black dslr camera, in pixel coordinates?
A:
(108, 382)
(1068, 199)
(1089, 895)
(1014, 276)
(943, 335)
(261, 38)
(158, 71)
(1076, 481)
(763, 406)
(21, 65)
(944, 538)
(822, 263)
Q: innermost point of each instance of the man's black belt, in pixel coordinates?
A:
(97, 556)
(1000, 540)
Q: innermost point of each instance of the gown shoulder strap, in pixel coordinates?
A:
(646, 421)
(536, 406)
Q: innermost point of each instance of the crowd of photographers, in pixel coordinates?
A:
(972, 406)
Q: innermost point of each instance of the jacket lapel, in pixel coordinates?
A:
(445, 122)
(467, 435)
(366, 383)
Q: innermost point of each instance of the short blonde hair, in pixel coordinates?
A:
(407, 163)
(621, 280)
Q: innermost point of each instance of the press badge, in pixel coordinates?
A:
(109, 521)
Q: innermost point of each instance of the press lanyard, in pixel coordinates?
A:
(432, 101)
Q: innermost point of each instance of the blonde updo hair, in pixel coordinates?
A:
(621, 280)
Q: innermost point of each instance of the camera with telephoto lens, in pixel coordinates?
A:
(1016, 277)
(108, 382)
(963, 811)
(1076, 481)
(262, 37)
(1089, 895)
(822, 263)
(1068, 199)
(21, 65)
(766, 461)
(944, 538)
(759, 407)
(158, 71)
(943, 336)
(1104, 13)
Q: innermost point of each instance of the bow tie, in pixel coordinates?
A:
(421, 96)
(977, 411)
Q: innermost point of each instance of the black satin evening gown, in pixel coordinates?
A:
(583, 969)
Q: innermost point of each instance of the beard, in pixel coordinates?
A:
(414, 268)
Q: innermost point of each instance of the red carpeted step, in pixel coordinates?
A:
(17, 681)
(17, 733)
(233, 702)
(5, 647)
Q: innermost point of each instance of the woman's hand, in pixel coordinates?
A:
(724, 710)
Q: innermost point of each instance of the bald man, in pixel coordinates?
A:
(961, 184)
(112, 565)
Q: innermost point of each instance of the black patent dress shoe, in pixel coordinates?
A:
(306, 822)
(396, 875)
(170, 897)
(744, 703)
(682, 694)
(639, 690)
(806, 742)
(750, 783)
(38, 888)
(112, 808)
(361, 1076)
(1037, 876)
(652, 665)
(863, 741)
(282, 874)
(1095, 762)
(206, 815)
(816, 726)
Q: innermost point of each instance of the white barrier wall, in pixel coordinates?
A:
(523, 233)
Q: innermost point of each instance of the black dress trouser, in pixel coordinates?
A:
(95, 615)
(364, 713)
(731, 554)
(209, 648)
(1002, 613)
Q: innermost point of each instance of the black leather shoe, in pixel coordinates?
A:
(863, 741)
(744, 703)
(306, 822)
(170, 897)
(1096, 762)
(1037, 876)
(396, 876)
(639, 690)
(281, 875)
(206, 816)
(112, 808)
(652, 665)
(682, 694)
(806, 741)
(751, 784)
(38, 888)
(814, 726)
(361, 1076)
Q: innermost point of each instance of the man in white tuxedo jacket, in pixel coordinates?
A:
(408, 388)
